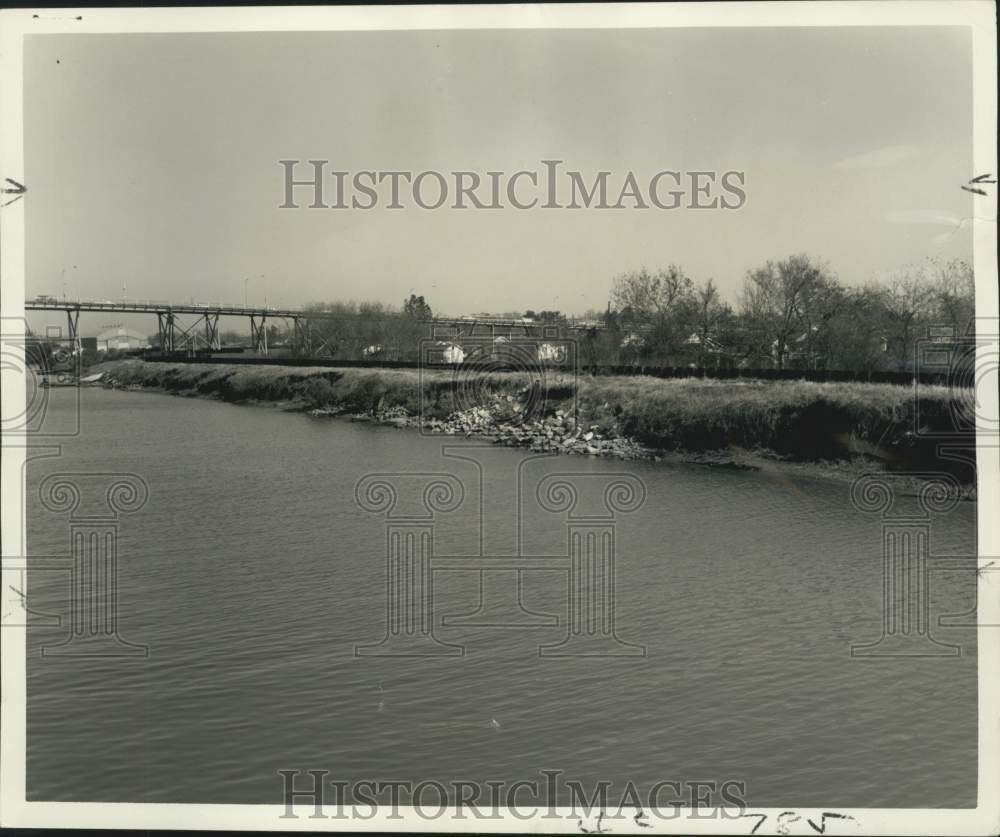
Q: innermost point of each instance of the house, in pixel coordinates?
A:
(550, 353)
(121, 339)
(709, 344)
(448, 352)
(798, 353)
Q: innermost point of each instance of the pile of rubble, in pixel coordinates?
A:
(109, 382)
(558, 433)
(327, 411)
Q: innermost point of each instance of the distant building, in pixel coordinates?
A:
(451, 352)
(550, 353)
(121, 339)
(707, 344)
(797, 351)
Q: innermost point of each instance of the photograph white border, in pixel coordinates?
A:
(979, 15)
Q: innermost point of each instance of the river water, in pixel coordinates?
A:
(251, 574)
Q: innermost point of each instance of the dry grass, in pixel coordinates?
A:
(798, 419)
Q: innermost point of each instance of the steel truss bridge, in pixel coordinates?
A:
(202, 330)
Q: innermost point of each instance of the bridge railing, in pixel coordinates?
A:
(153, 306)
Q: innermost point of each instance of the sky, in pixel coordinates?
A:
(152, 160)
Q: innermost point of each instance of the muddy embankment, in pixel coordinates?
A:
(731, 423)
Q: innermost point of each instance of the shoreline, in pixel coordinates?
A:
(499, 407)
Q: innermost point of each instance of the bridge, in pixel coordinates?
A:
(203, 323)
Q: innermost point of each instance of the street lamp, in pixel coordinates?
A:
(64, 282)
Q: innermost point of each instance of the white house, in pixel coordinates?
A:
(121, 339)
(550, 353)
(451, 352)
(709, 343)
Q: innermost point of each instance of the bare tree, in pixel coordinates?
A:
(856, 337)
(783, 301)
(659, 304)
(953, 290)
(908, 301)
(710, 316)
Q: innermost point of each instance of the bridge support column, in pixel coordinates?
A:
(301, 336)
(212, 331)
(73, 318)
(258, 334)
(165, 326)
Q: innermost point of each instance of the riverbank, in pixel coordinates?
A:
(736, 423)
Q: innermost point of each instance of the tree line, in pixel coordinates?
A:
(374, 330)
(793, 313)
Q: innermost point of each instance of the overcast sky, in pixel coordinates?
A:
(152, 159)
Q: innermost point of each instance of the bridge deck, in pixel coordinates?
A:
(223, 310)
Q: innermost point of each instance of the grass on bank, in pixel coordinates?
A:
(798, 419)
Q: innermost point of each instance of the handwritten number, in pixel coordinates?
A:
(787, 818)
(760, 822)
